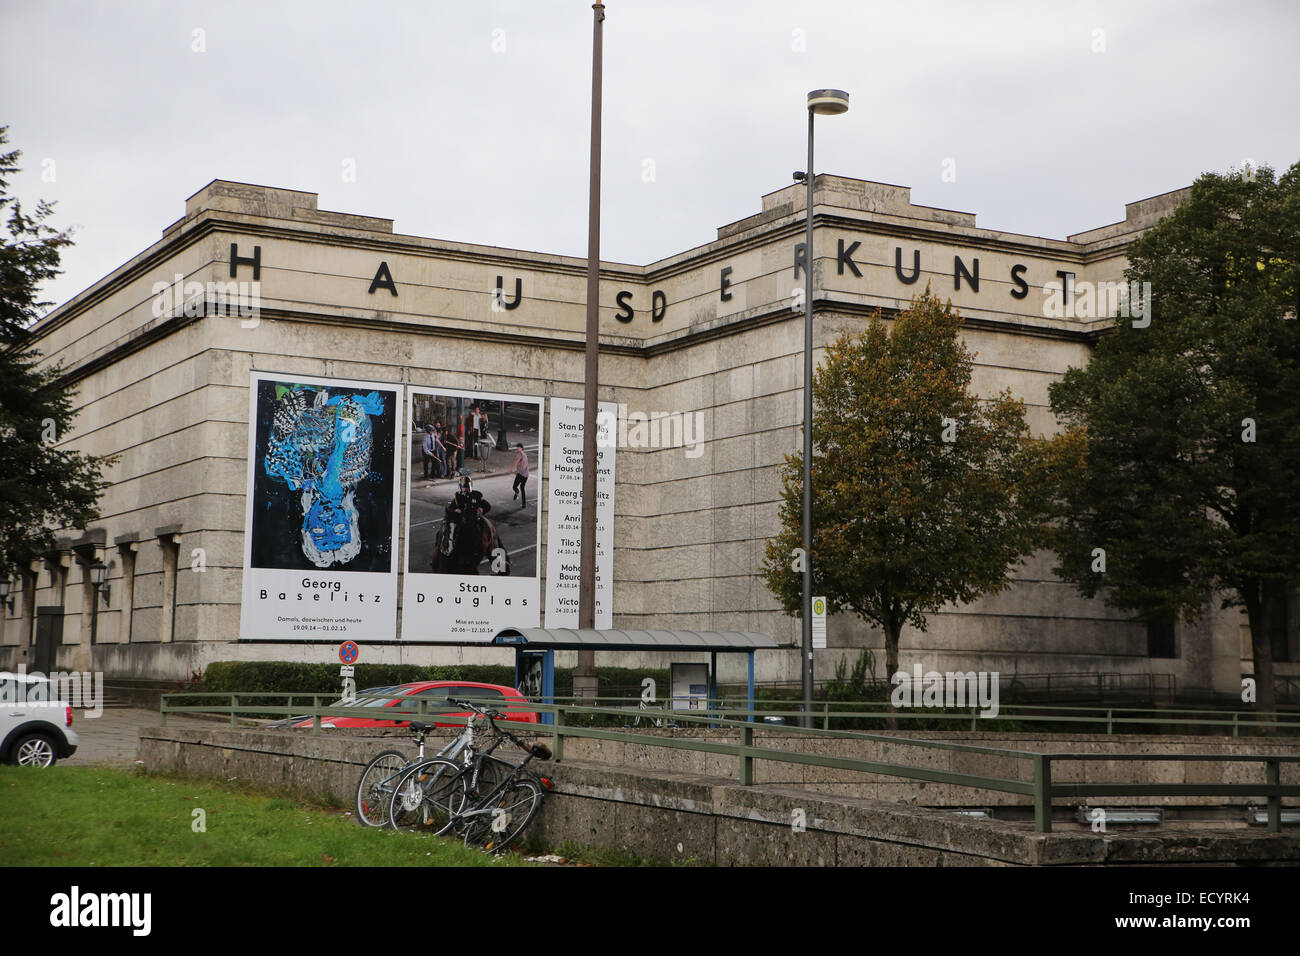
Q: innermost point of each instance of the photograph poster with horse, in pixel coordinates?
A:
(473, 520)
(321, 525)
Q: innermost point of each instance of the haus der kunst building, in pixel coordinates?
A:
(172, 378)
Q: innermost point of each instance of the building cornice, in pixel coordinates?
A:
(737, 324)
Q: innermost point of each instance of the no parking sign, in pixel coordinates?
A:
(348, 653)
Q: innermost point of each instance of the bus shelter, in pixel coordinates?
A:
(539, 644)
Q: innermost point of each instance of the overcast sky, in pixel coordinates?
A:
(469, 121)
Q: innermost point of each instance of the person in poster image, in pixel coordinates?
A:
(427, 450)
(439, 454)
(455, 452)
(521, 475)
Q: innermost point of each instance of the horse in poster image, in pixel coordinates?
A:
(460, 549)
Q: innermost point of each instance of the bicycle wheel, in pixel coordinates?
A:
(427, 797)
(512, 810)
(376, 786)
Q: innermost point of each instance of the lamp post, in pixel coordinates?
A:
(828, 103)
(98, 577)
(584, 678)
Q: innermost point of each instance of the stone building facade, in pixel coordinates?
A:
(163, 378)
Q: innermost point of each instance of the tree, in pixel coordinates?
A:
(42, 487)
(922, 493)
(1183, 431)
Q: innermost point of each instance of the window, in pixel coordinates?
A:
(470, 692)
(1160, 635)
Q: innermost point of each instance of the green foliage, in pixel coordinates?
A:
(289, 677)
(921, 490)
(1155, 467)
(859, 685)
(42, 486)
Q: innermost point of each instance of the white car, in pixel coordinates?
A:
(35, 726)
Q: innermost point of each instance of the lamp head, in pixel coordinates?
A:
(828, 102)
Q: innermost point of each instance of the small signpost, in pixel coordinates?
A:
(348, 653)
(819, 623)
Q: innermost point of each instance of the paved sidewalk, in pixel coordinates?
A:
(113, 738)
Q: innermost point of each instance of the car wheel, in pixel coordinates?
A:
(35, 750)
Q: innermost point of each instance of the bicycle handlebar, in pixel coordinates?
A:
(538, 750)
(481, 711)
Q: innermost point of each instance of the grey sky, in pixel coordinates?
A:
(455, 139)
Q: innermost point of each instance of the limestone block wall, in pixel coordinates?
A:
(168, 395)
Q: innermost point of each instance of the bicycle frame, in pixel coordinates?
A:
(463, 743)
(480, 804)
(473, 805)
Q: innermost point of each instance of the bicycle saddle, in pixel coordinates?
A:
(419, 727)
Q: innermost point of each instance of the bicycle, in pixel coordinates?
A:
(424, 794)
(490, 812)
(378, 780)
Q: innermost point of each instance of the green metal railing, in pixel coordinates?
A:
(1041, 789)
(1112, 717)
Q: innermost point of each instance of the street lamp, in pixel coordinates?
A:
(98, 576)
(827, 103)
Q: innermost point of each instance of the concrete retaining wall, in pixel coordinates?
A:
(674, 815)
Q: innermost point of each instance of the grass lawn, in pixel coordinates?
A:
(81, 816)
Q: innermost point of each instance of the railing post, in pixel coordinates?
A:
(1235, 715)
(1042, 793)
(1110, 726)
(557, 737)
(746, 760)
(234, 717)
(974, 718)
(826, 716)
(1272, 777)
(162, 711)
(315, 716)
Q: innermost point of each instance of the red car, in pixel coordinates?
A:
(410, 695)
